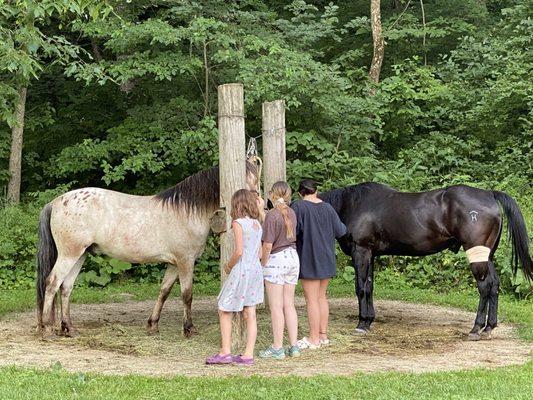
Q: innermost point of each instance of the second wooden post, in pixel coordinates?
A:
(274, 158)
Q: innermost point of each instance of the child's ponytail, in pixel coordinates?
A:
(281, 196)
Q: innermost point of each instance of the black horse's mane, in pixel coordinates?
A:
(200, 191)
(354, 193)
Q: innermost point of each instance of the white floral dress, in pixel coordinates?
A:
(244, 285)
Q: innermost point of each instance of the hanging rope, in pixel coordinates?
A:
(253, 156)
(272, 131)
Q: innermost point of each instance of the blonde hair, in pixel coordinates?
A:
(280, 194)
(244, 204)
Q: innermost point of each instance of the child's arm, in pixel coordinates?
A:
(261, 207)
(267, 248)
(237, 251)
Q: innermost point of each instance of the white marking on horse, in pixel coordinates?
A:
(474, 214)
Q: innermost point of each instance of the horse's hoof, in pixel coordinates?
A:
(486, 335)
(152, 330)
(361, 331)
(190, 332)
(474, 336)
(71, 333)
(48, 334)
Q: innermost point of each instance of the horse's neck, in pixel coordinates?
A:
(195, 224)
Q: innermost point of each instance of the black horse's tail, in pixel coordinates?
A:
(518, 233)
(46, 258)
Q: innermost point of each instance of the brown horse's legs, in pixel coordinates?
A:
(362, 260)
(171, 274)
(186, 275)
(480, 271)
(62, 268)
(67, 328)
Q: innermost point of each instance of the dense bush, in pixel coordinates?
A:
(135, 109)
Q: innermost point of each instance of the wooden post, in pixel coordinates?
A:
(232, 164)
(274, 159)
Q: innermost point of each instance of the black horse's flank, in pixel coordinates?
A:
(383, 221)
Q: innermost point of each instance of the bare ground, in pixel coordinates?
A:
(405, 337)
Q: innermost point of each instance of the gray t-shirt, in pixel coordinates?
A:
(275, 232)
(317, 226)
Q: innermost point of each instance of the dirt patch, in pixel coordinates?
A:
(405, 337)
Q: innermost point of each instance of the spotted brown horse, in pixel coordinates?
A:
(170, 227)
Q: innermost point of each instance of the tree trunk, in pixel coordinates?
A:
(206, 90)
(377, 36)
(96, 51)
(397, 5)
(424, 37)
(15, 156)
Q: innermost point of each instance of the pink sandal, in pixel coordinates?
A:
(239, 360)
(219, 359)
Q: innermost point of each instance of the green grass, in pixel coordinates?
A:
(503, 383)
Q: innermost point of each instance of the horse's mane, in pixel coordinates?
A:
(336, 197)
(198, 192)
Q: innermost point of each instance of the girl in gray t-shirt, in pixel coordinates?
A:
(280, 270)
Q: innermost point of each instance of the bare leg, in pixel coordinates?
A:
(291, 318)
(171, 274)
(67, 328)
(275, 302)
(251, 331)
(186, 275)
(225, 331)
(324, 308)
(312, 291)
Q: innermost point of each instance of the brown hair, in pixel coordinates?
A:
(307, 186)
(244, 204)
(280, 195)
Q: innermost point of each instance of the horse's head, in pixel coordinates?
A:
(252, 176)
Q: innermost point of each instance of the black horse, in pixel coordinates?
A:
(383, 221)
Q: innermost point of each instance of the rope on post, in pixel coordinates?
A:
(271, 131)
(252, 155)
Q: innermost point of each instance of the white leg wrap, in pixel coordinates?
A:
(478, 254)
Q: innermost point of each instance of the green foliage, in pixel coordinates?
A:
(126, 99)
(18, 236)
(27, 42)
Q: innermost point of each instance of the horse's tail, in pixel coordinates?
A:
(46, 258)
(517, 231)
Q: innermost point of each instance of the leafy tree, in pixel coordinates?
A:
(26, 45)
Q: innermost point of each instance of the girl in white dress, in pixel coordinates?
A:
(243, 288)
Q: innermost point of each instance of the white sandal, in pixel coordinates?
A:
(304, 343)
(325, 342)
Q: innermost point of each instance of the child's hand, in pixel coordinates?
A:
(227, 268)
(260, 202)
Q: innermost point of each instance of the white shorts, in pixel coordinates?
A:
(282, 267)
